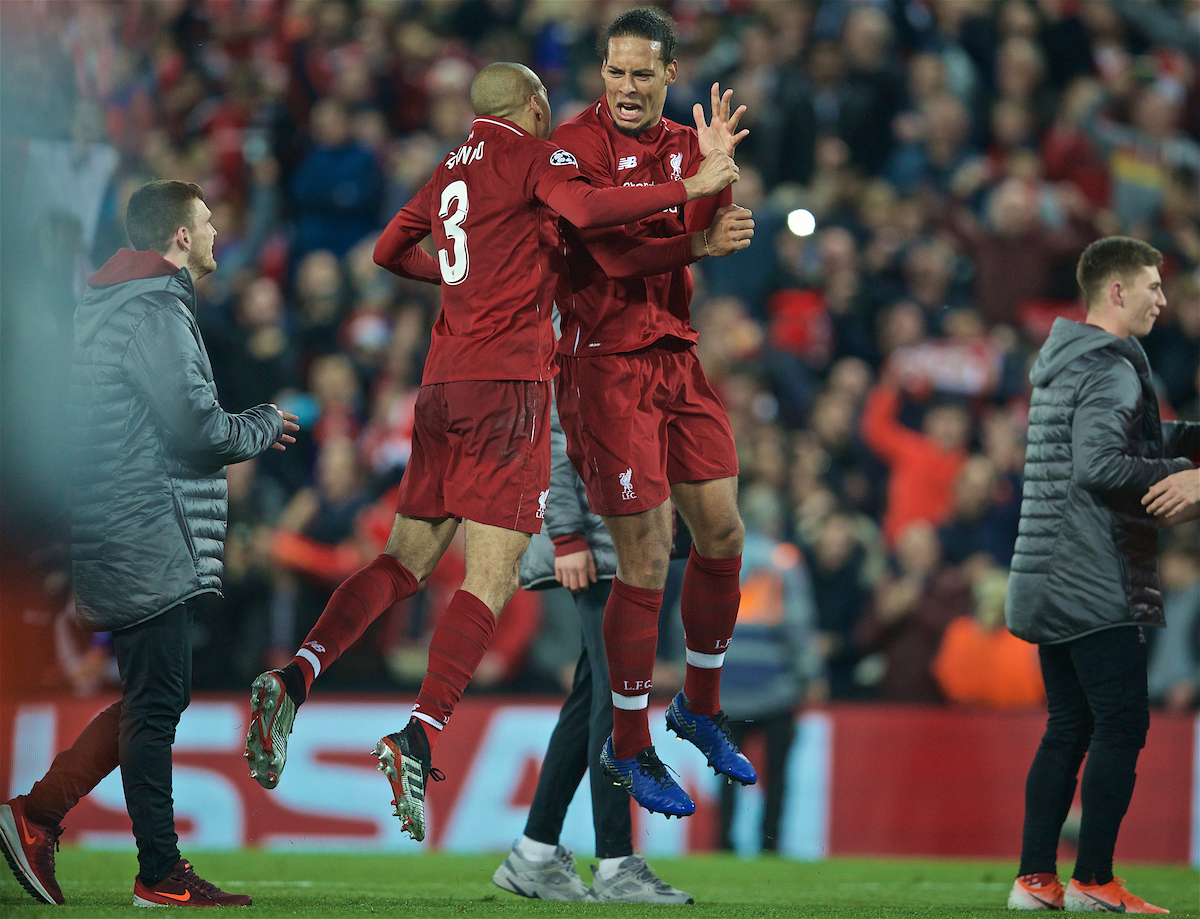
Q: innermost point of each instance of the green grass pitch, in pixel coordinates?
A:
(98, 883)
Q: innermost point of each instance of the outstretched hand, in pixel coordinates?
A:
(290, 426)
(721, 133)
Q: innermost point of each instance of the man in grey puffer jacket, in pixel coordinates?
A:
(1084, 577)
(149, 502)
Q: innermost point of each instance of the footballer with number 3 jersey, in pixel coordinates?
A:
(481, 435)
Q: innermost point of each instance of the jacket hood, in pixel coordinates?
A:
(1067, 341)
(131, 265)
(127, 275)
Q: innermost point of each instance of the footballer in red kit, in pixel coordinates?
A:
(645, 430)
(481, 436)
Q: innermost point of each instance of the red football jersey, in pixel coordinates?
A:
(491, 207)
(484, 207)
(607, 315)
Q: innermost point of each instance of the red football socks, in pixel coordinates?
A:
(459, 642)
(709, 608)
(353, 607)
(630, 643)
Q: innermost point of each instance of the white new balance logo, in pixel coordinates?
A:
(626, 162)
(626, 479)
(316, 646)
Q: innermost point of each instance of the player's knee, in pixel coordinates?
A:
(646, 568)
(722, 541)
(494, 588)
(420, 565)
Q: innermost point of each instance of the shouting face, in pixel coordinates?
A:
(635, 82)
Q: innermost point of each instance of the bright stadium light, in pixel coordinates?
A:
(801, 222)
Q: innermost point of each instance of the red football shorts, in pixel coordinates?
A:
(638, 423)
(480, 451)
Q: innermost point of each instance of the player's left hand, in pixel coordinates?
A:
(722, 133)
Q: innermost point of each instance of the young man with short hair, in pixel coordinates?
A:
(1084, 580)
(149, 502)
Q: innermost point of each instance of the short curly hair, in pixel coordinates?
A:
(647, 22)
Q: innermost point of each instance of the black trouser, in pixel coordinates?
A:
(1096, 692)
(155, 660)
(583, 726)
(778, 731)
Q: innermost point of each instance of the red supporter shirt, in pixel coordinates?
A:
(491, 207)
(628, 287)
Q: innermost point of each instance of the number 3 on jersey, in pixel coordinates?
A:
(456, 263)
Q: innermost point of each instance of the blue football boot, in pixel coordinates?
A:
(647, 780)
(710, 734)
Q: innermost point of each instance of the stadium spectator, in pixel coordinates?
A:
(471, 373)
(980, 662)
(1173, 670)
(843, 570)
(908, 614)
(985, 515)
(772, 663)
(1142, 154)
(922, 465)
(1084, 573)
(1014, 252)
(255, 355)
(147, 423)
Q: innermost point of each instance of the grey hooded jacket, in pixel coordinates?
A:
(1086, 552)
(150, 446)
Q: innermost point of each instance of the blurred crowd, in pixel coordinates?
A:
(923, 175)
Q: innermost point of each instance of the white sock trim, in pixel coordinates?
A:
(422, 717)
(312, 659)
(609, 866)
(705, 661)
(533, 851)
(631, 703)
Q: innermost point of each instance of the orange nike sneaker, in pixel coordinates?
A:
(29, 848)
(1036, 891)
(1107, 898)
(183, 887)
